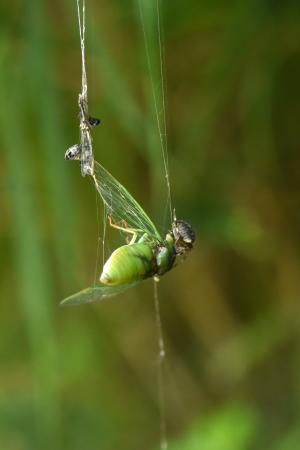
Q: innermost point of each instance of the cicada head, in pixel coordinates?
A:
(184, 236)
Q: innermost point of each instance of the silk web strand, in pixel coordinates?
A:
(161, 124)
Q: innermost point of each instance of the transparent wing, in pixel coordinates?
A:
(97, 292)
(120, 204)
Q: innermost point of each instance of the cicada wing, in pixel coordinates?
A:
(120, 203)
(94, 293)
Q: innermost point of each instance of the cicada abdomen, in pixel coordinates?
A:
(128, 264)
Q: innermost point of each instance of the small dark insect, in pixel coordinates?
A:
(73, 152)
(184, 236)
(93, 121)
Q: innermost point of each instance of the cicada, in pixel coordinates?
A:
(146, 254)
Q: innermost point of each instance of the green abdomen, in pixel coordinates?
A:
(127, 264)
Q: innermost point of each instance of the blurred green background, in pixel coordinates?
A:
(86, 378)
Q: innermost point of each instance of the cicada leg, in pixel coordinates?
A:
(125, 229)
(127, 238)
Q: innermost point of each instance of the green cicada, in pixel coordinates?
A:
(147, 254)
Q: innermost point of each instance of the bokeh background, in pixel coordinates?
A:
(86, 377)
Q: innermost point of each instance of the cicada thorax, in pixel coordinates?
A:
(128, 264)
(165, 255)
